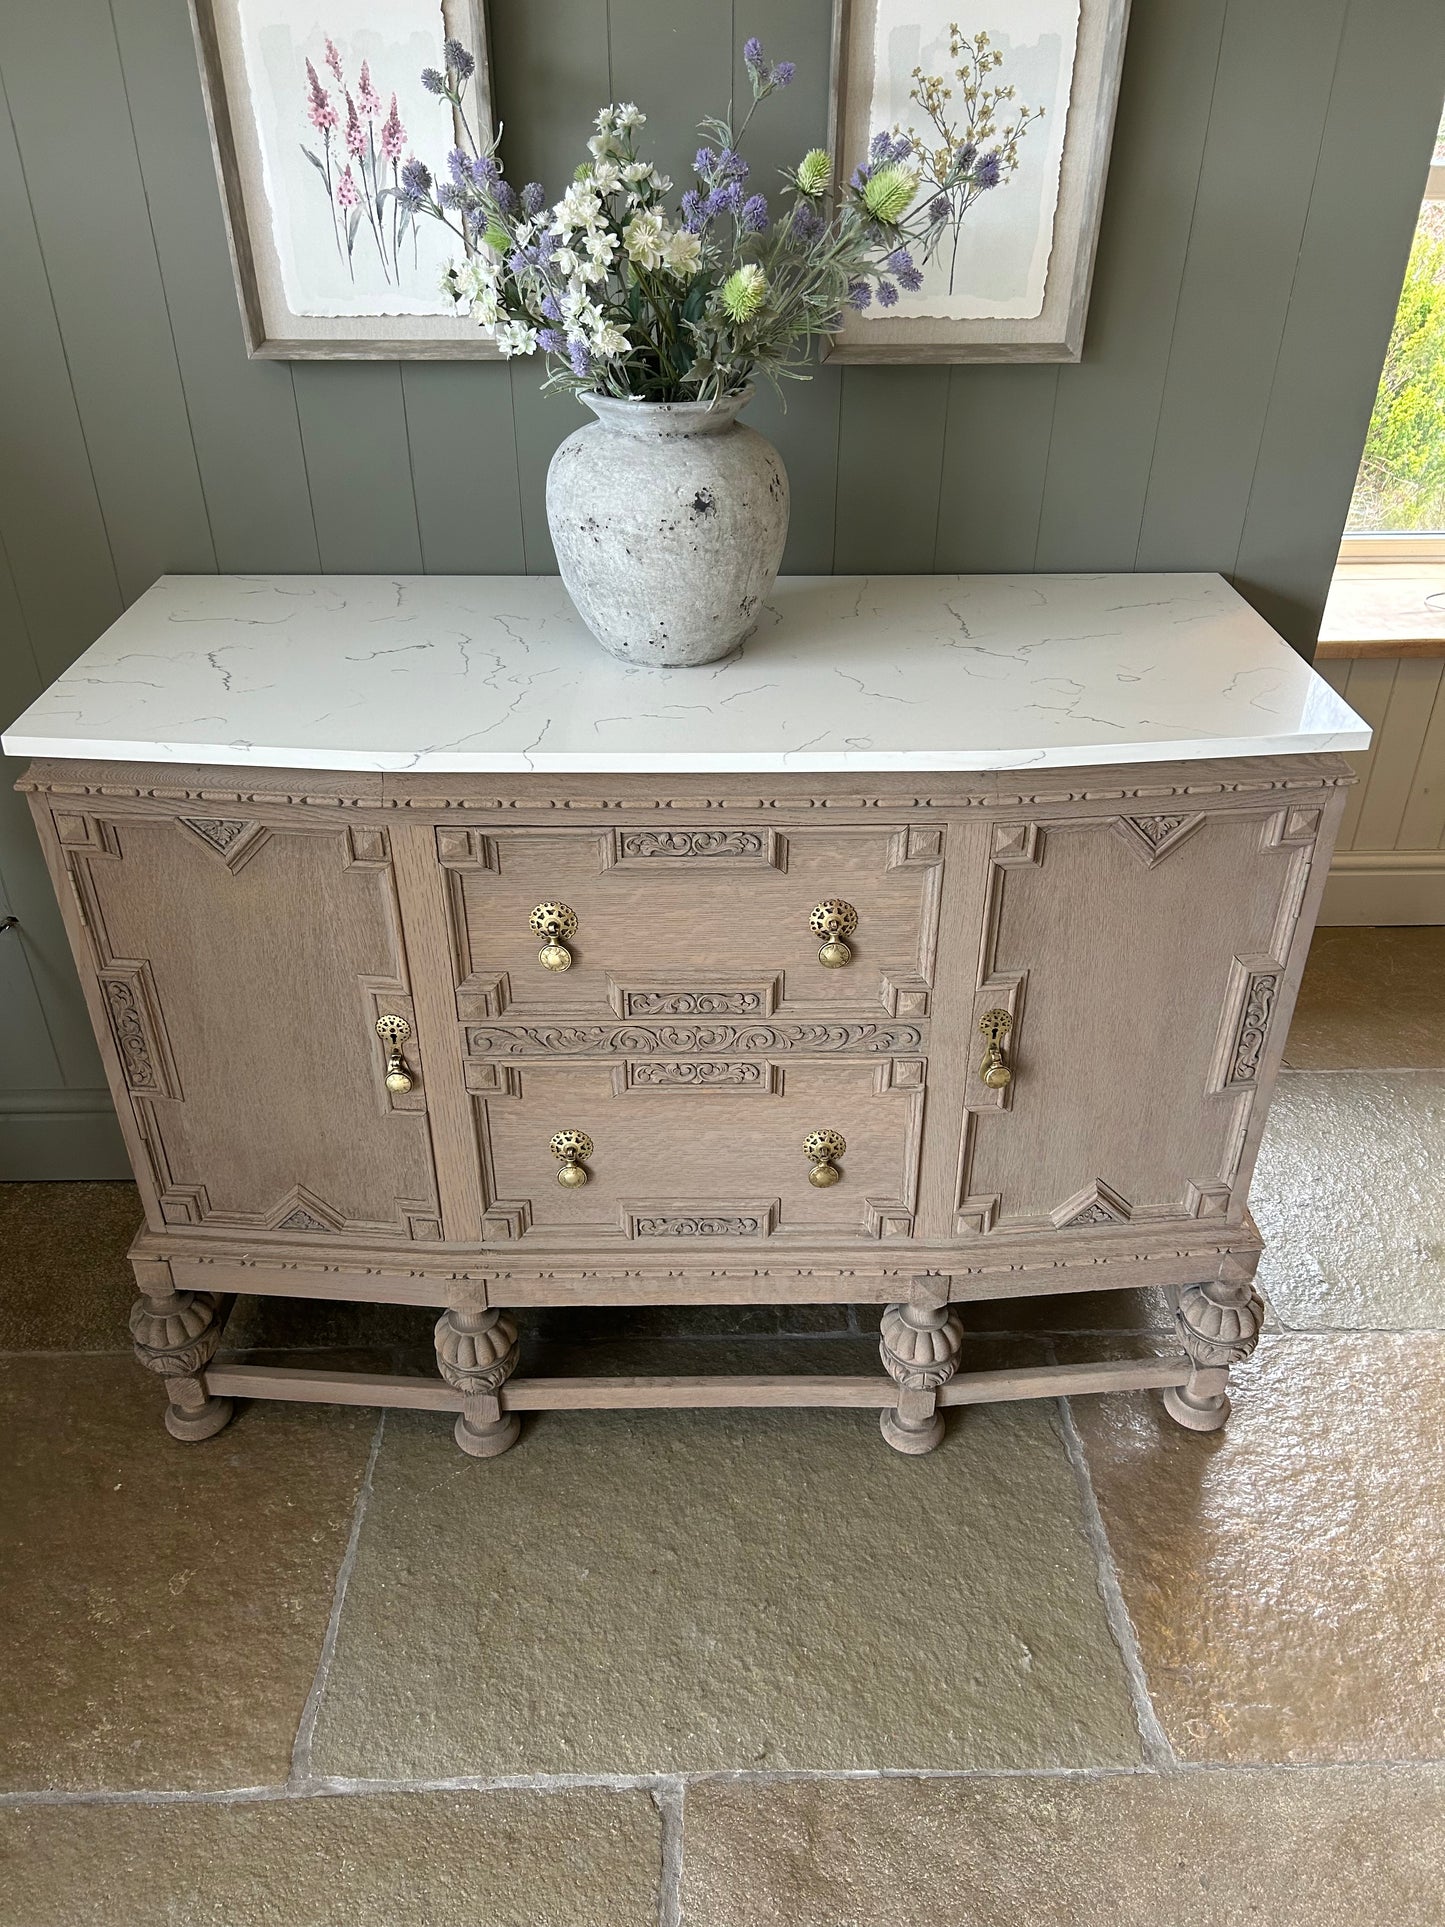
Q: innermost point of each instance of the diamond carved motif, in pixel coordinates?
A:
(1151, 838)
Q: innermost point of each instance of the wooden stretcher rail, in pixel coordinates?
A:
(651, 1393)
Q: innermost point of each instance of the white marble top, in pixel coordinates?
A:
(497, 673)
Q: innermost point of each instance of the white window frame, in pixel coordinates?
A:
(1384, 550)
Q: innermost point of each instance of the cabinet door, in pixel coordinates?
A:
(1140, 960)
(240, 971)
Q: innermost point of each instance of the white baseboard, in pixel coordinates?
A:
(1385, 886)
(48, 1135)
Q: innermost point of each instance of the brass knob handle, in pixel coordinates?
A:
(569, 1148)
(994, 1028)
(823, 1147)
(554, 923)
(393, 1032)
(833, 920)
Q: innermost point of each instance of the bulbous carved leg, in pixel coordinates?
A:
(919, 1345)
(1218, 1325)
(477, 1353)
(176, 1334)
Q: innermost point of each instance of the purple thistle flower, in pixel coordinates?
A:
(965, 156)
(887, 294)
(754, 214)
(878, 147)
(860, 295)
(580, 357)
(546, 246)
(988, 171)
(860, 178)
(938, 208)
(519, 259)
(505, 195)
(486, 172)
(782, 75)
(753, 54)
(901, 149)
(550, 340)
(726, 199)
(459, 162)
(459, 60)
(451, 196)
(434, 82)
(416, 176)
(807, 221)
(731, 166)
(551, 307)
(703, 163)
(900, 262)
(910, 279)
(534, 198)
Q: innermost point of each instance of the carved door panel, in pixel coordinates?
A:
(242, 970)
(679, 922)
(1139, 959)
(689, 1149)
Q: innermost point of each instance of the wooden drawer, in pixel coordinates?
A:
(679, 922)
(698, 1148)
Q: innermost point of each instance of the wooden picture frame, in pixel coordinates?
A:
(1056, 331)
(272, 327)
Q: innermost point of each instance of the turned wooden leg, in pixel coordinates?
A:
(919, 1344)
(1218, 1325)
(477, 1353)
(176, 1334)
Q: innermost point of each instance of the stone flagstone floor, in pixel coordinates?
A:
(1077, 1668)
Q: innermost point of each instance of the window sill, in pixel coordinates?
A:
(1392, 613)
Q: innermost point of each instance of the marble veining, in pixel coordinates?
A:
(497, 673)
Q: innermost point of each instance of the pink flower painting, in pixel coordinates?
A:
(360, 165)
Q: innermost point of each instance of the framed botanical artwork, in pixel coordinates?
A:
(318, 110)
(1004, 110)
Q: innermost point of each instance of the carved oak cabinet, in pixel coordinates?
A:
(939, 945)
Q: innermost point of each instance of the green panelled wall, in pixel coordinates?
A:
(1267, 164)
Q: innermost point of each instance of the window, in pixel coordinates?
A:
(1398, 510)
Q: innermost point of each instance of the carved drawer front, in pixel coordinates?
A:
(242, 971)
(697, 1148)
(674, 922)
(1137, 962)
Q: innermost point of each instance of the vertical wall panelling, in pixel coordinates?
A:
(50, 514)
(1368, 693)
(995, 457)
(803, 422)
(1107, 410)
(464, 466)
(1386, 103)
(353, 421)
(553, 71)
(1270, 95)
(242, 413)
(890, 453)
(1397, 755)
(1422, 827)
(68, 103)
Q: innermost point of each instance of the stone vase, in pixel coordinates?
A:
(669, 520)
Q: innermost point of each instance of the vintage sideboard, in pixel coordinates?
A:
(938, 945)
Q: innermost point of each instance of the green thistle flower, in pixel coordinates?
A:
(742, 293)
(814, 172)
(888, 193)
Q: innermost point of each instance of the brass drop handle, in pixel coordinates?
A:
(994, 1029)
(822, 1148)
(393, 1032)
(554, 923)
(833, 920)
(569, 1148)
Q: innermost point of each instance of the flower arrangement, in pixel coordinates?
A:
(625, 299)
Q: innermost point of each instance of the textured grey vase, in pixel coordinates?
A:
(669, 520)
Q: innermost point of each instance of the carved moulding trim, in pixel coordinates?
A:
(738, 1076)
(138, 1029)
(1153, 837)
(759, 999)
(1097, 1203)
(632, 1040)
(1253, 991)
(716, 849)
(232, 839)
